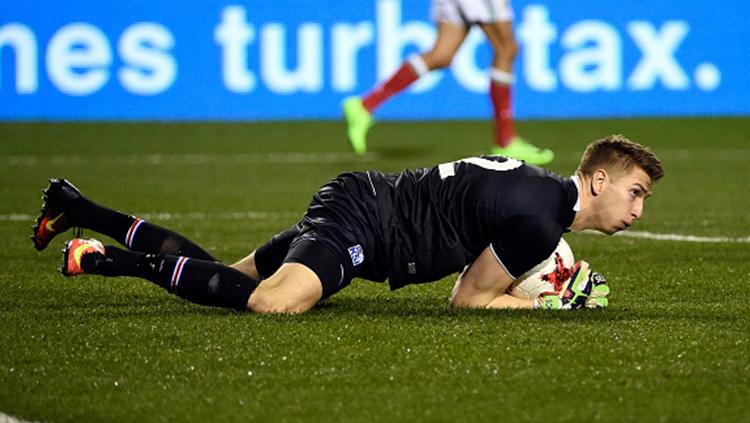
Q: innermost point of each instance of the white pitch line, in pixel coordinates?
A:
(683, 238)
(248, 215)
(276, 158)
(692, 154)
(676, 237)
(291, 217)
(184, 159)
(4, 418)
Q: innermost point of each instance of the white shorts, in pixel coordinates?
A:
(470, 12)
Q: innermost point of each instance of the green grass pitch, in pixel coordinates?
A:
(674, 345)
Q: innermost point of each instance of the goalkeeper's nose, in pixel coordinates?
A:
(637, 211)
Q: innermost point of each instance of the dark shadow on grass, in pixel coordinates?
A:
(409, 308)
(400, 152)
(380, 306)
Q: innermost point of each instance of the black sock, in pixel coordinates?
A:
(132, 232)
(149, 238)
(198, 281)
(86, 214)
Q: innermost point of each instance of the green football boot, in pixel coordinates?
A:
(358, 122)
(521, 149)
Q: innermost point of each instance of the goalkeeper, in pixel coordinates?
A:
(491, 218)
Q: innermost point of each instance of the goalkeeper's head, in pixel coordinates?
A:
(616, 176)
(618, 155)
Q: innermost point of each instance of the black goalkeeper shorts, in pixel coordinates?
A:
(339, 238)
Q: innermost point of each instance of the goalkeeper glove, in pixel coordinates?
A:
(599, 292)
(585, 288)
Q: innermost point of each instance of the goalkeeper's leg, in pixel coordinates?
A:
(293, 288)
(198, 281)
(268, 258)
(67, 207)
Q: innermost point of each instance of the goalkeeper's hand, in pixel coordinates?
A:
(584, 289)
(599, 291)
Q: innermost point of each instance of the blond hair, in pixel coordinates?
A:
(619, 153)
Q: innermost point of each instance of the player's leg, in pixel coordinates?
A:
(332, 247)
(313, 270)
(268, 258)
(294, 288)
(449, 39)
(358, 111)
(65, 207)
(500, 37)
(507, 143)
(199, 281)
(320, 255)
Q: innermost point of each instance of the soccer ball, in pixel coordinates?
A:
(547, 276)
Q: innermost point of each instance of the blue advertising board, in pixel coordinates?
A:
(268, 60)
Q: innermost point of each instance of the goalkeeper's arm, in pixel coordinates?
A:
(584, 289)
(483, 284)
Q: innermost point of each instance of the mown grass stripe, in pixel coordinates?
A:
(259, 215)
(184, 159)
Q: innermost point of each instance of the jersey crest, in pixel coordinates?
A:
(357, 255)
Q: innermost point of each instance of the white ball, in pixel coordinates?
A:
(558, 267)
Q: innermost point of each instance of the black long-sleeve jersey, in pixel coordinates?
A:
(437, 220)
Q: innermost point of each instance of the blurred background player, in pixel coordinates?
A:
(454, 19)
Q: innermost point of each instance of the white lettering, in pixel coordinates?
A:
(78, 58)
(233, 34)
(23, 42)
(150, 69)
(536, 34)
(707, 76)
(596, 62)
(308, 76)
(347, 41)
(658, 49)
(284, 58)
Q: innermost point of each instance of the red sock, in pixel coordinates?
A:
(500, 95)
(403, 77)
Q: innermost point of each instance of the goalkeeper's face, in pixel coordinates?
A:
(622, 198)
